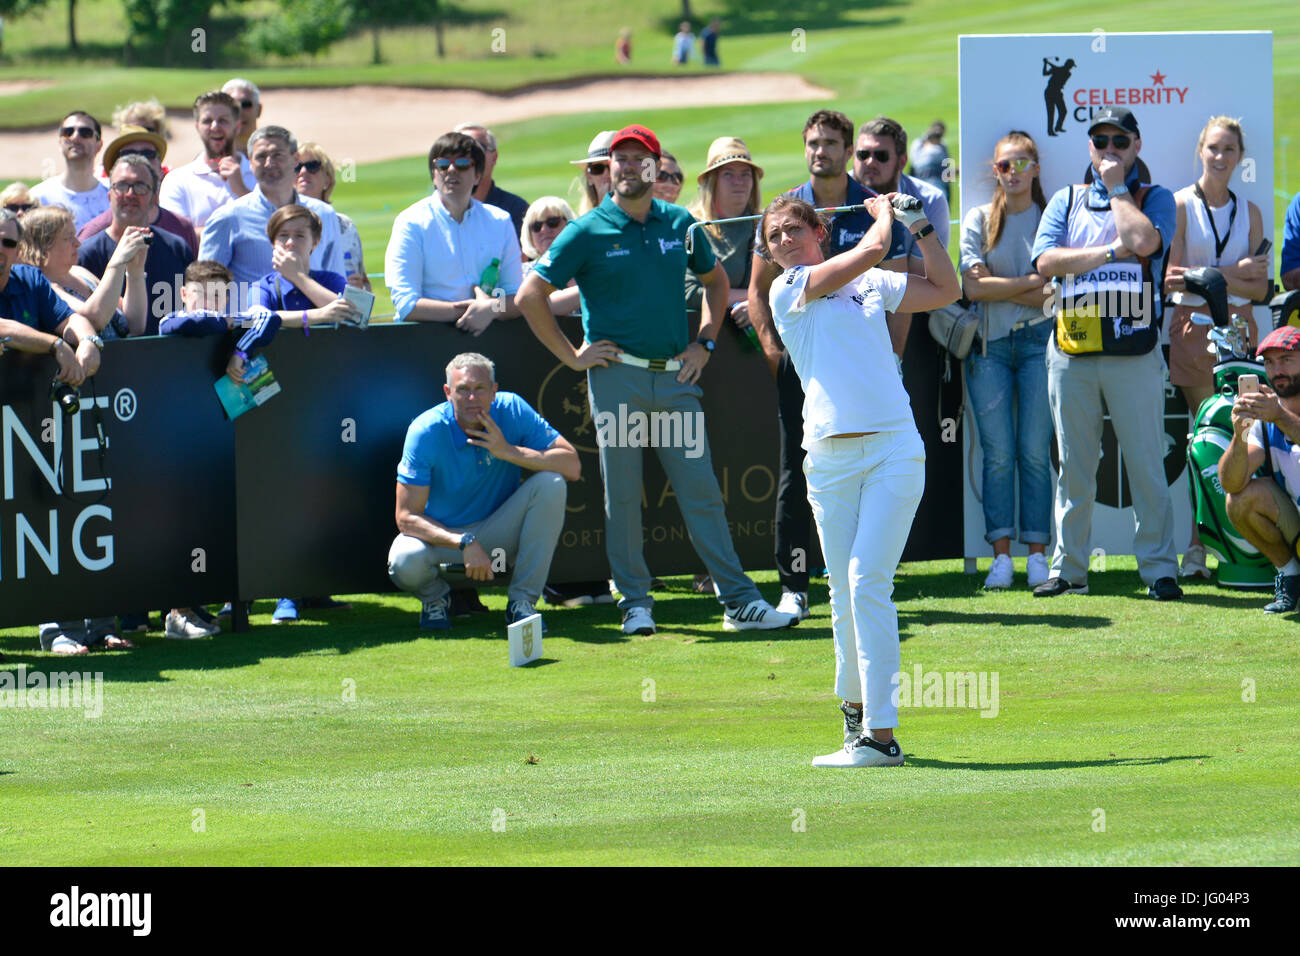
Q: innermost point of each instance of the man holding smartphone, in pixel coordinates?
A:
(1266, 427)
(482, 476)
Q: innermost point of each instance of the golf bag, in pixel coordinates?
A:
(1240, 564)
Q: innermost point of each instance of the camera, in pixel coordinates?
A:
(67, 397)
(148, 238)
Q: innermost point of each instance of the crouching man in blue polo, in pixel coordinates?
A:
(462, 494)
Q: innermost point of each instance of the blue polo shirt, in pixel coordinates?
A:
(630, 275)
(848, 228)
(236, 236)
(284, 296)
(28, 298)
(467, 483)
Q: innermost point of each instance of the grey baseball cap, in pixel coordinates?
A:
(1115, 116)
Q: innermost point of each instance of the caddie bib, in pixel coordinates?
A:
(1111, 308)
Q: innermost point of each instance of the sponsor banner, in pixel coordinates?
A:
(1050, 86)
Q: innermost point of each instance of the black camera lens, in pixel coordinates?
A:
(148, 239)
(66, 396)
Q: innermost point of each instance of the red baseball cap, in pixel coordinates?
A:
(1286, 337)
(638, 134)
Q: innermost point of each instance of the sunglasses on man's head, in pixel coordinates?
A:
(149, 154)
(666, 177)
(313, 166)
(597, 169)
(461, 163)
(1019, 165)
(9, 243)
(85, 132)
(550, 222)
(881, 155)
(1121, 140)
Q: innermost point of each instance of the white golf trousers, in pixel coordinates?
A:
(864, 492)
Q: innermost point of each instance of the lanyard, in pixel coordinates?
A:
(1219, 244)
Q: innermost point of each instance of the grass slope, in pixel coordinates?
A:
(1111, 702)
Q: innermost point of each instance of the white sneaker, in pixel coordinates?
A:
(863, 752)
(1194, 563)
(1039, 572)
(637, 620)
(756, 615)
(1000, 574)
(182, 627)
(794, 602)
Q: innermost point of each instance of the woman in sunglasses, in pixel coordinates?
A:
(668, 183)
(315, 178)
(1010, 372)
(1211, 231)
(17, 198)
(50, 243)
(595, 172)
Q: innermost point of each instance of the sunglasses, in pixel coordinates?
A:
(9, 243)
(247, 104)
(597, 169)
(149, 154)
(139, 189)
(19, 208)
(551, 222)
(461, 163)
(667, 177)
(1019, 165)
(1120, 140)
(881, 155)
(85, 132)
(313, 166)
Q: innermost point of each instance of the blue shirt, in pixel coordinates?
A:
(1159, 207)
(236, 236)
(848, 228)
(164, 269)
(432, 256)
(467, 483)
(265, 293)
(28, 298)
(1291, 237)
(630, 275)
(262, 324)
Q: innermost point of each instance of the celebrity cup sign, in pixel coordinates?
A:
(1051, 86)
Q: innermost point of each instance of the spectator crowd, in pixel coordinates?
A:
(122, 243)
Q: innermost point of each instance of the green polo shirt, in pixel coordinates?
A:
(630, 275)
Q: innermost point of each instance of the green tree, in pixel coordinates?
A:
(166, 27)
(303, 26)
(374, 15)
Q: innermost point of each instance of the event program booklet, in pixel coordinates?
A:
(258, 386)
(365, 303)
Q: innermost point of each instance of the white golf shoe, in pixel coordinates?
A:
(863, 752)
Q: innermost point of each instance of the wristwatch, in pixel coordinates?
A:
(709, 344)
(925, 230)
(1110, 254)
(1120, 190)
(467, 539)
(97, 342)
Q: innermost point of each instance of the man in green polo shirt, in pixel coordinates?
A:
(629, 258)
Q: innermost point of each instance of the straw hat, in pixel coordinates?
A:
(598, 151)
(129, 135)
(728, 149)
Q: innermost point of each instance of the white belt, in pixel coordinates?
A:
(1026, 323)
(654, 365)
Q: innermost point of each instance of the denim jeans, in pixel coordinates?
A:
(1015, 370)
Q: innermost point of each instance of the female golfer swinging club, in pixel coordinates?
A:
(866, 462)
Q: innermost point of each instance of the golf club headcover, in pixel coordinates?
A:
(907, 210)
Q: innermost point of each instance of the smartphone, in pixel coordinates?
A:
(1247, 384)
(1263, 248)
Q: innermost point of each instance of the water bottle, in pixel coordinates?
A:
(488, 280)
(349, 269)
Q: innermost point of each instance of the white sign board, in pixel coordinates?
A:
(525, 638)
(1050, 85)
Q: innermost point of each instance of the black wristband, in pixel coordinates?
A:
(925, 231)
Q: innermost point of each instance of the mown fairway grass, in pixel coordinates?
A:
(1110, 703)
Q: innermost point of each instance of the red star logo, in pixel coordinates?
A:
(1157, 78)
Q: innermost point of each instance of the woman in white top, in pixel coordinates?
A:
(866, 462)
(1211, 231)
(1010, 372)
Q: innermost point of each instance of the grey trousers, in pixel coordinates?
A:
(1133, 386)
(622, 391)
(526, 527)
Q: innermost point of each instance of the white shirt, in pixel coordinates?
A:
(840, 347)
(83, 206)
(432, 256)
(196, 192)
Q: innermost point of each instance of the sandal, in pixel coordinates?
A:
(703, 584)
(114, 643)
